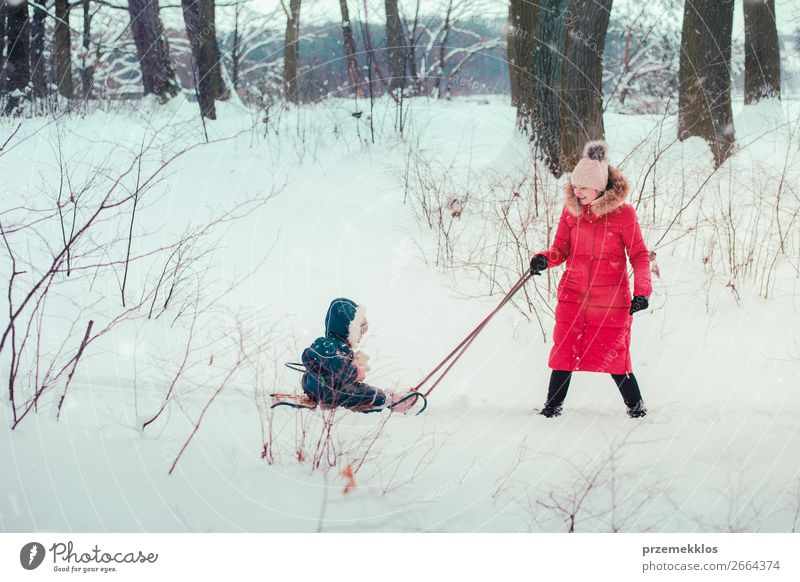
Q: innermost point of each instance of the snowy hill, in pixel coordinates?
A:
(315, 211)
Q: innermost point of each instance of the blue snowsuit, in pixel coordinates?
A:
(331, 375)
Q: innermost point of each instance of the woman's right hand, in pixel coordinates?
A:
(538, 264)
(638, 303)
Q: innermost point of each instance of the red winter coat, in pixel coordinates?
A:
(593, 324)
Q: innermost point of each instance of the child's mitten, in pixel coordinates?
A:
(362, 360)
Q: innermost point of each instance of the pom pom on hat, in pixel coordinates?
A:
(596, 150)
(591, 170)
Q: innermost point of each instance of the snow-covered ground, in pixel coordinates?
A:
(717, 362)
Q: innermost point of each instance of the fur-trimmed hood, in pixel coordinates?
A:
(614, 196)
(345, 319)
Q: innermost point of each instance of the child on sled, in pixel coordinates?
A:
(334, 372)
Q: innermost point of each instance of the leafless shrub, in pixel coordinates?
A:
(404, 467)
(600, 494)
(796, 507)
(485, 220)
(49, 275)
(240, 348)
(436, 200)
(739, 226)
(332, 439)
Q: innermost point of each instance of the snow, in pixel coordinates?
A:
(716, 453)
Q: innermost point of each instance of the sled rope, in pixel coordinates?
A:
(459, 350)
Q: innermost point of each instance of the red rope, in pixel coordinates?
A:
(465, 343)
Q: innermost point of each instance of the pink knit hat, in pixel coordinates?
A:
(592, 169)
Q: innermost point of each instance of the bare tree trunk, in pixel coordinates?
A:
(513, 76)
(17, 69)
(370, 57)
(152, 47)
(3, 63)
(523, 16)
(395, 46)
(704, 98)
(582, 77)
(443, 51)
(762, 58)
(38, 63)
(412, 53)
(87, 67)
(205, 69)
(356, 79)
(209, 14)
(545, 101)
(235, 55)
(62, 52)
(291, 52)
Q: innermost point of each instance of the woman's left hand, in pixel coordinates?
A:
(638, 303)
(538, 264)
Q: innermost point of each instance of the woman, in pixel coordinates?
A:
(595, 308)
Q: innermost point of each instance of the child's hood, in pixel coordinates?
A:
(344, 320)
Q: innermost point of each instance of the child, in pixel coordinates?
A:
(595, 307)
(334, 373)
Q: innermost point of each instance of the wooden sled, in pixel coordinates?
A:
(293, 400)
(304, 402)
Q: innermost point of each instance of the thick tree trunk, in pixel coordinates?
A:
(38, 62)
(17, 70)
(209, 15)
(62, 52)
(356, 79)
(291, 53)
(197, 16)
(395, 46)
(522, 42)
(545, 101)
(762, 59)
(152, 47)
(582, 77)
(704, 98)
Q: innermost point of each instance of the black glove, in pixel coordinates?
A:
(538, 264)
(638, 303)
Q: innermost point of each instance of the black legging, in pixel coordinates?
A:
(559, 384)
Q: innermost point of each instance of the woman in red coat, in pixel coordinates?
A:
(595, 307)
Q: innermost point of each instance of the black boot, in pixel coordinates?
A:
(556, 392)
(631, 395)
(549, 411)
(638, 410)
